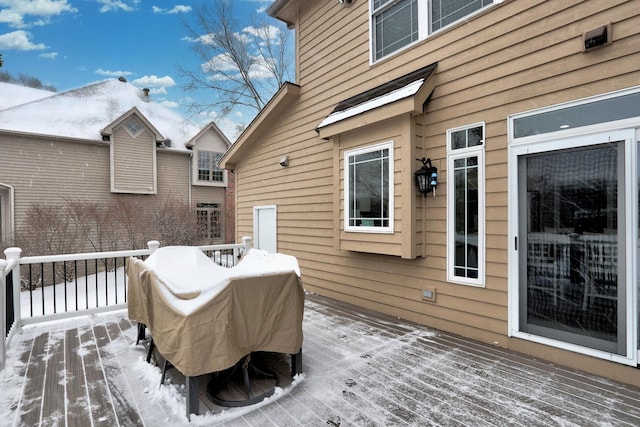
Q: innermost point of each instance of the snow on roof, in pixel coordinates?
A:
(82, 113)
(12, 95)
(388, 98)
(387, 93)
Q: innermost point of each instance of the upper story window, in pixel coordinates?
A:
(208, 167)
(369, 189)
(398, 23)
(465, 209)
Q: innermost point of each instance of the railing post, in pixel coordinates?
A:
(153, 245)
(3, 315)
(13, 254)
(246, 241)
(239, 252)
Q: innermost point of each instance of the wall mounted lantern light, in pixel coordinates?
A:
(426, 177)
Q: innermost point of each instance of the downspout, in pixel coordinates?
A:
(189, 173)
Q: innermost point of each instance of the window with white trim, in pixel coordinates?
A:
(208, 170)
(465, 205)
(368, 203)
(398, 23)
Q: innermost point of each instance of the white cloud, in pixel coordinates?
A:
(179, 8)
(154, 80)
(221, 65)
(125, 5)
(158, 91)
(51, 55)
(14, 19)
(110, 73)
(267, 32)
(221, 62)
(170, 104)
(16, 12)
(19, 40)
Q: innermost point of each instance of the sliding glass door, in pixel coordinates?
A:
(571, 249)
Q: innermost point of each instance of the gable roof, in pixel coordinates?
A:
(108, 130)
(211, 126)
(281, 100)
(83, 113)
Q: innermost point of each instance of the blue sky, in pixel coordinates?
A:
(71, 43)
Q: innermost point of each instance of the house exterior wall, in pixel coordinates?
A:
(46, 171)
(173, 177)
(511, 57)
(49, 171)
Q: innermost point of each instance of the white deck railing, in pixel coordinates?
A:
(40, 288)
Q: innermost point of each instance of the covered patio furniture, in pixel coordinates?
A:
(205, 318)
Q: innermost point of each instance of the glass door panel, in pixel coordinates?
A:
(572, 241)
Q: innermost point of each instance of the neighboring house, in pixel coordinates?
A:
(529, 110)
(103, 143)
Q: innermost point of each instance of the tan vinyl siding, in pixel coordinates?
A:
(47, 167)
(512, 57)
(46, 171)
(173, 178)
(133, 162)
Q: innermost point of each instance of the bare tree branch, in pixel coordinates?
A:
(240, 66)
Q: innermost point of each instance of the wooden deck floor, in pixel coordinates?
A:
(359, 369)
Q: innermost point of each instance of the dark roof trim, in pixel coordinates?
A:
(422, 73)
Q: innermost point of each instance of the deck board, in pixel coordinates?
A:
(77, 406)
(31, 403)
(53, 393)
(360, 369)
(101, 409)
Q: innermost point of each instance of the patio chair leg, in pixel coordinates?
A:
(296, 363)
(245, 376)
(192, 399)
(150, 351)
(165, 366)
(141, 333)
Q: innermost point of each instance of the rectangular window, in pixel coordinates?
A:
(465, 210)
(208, 167)
(369, 189)
(396, 24)
(208, 216)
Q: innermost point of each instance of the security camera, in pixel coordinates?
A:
(284, 161)
(344, 1)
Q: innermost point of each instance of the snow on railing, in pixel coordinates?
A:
(59, 286)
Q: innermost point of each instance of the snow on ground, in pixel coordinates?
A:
(96, 290)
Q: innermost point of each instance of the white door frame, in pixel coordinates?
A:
(516, 150)
(268, 242)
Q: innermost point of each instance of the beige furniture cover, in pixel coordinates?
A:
(205, 318)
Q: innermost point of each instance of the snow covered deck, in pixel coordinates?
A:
(360, 368)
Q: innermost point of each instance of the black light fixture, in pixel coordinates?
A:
(426, 177)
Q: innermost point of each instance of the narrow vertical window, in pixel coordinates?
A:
(368, 189)
(465, 205)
